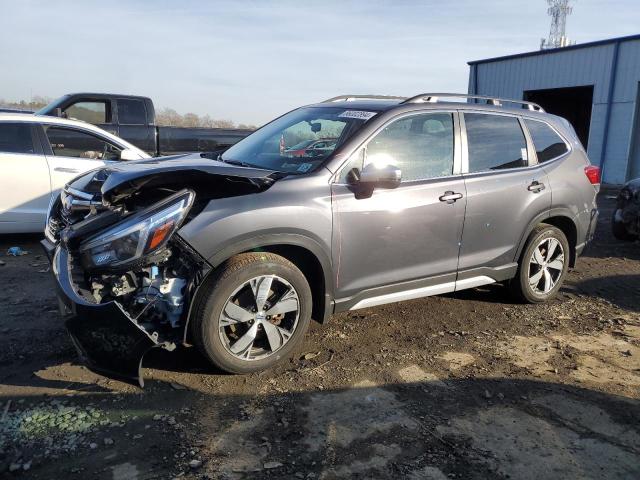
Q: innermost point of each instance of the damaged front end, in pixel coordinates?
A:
(125, 277)
(627, 212)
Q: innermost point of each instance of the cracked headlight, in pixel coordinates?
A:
(139, 235)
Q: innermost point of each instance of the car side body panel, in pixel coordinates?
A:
(294, 211)
(573, 195)
(499, 208)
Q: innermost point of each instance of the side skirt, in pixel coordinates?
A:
(467, 279)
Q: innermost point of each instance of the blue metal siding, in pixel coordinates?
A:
(511, 77)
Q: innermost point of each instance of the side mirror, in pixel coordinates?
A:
(127, 154)
(387, 176)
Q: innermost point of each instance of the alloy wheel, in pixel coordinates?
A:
(259, 317)
(546, 266)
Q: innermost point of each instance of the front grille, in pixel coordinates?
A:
(52, 231)
(71, 207)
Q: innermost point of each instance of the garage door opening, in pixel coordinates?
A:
(572, 103)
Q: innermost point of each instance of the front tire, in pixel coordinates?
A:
(256, 311)
(543, 265)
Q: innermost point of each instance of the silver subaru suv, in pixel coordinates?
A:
(236, 251)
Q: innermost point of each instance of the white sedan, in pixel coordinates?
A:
(39, 155)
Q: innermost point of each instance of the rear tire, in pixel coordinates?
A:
(543, 265)
(256, 311)
(619, 230)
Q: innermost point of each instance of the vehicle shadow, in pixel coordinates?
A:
(468, 428)
(493, 293)
(621, 290)
(182, 360)
(497, 293)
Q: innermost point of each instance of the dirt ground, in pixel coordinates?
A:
(469, 385)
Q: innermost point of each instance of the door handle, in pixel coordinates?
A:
(536, 186)
(450, 197)
(66, 170)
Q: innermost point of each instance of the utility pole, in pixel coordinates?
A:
(558, 11)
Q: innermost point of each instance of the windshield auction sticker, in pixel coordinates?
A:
(359, 114)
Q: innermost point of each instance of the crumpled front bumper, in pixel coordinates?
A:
(107, 338)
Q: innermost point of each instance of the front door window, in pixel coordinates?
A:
(421, 146)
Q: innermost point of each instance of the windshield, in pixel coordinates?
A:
(300, 145)
(299, 141)
(49, 108)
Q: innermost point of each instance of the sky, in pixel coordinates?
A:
(249, 61)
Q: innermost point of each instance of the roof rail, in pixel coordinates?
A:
(351, 98)
(434, 98)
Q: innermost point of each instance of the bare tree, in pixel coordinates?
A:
(36, 103)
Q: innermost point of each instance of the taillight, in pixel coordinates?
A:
(593, 174)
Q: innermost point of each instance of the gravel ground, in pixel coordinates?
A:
(469, 385)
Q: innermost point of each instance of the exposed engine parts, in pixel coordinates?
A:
(153, 295)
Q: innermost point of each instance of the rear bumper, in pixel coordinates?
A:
(107, 338)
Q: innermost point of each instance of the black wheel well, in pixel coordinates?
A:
(570, 231)
(310, 267)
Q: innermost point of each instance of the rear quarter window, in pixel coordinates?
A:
(548, 143)
(16, 138)
(131, 112)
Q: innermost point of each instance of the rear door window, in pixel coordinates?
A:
(67, 142)
(16, 138)
(131, 112)
(90, 111)
(548, 143)
(495, 142)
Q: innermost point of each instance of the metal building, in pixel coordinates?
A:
(596, 86)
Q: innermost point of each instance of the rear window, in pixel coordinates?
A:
(548, 143)
(131, 112)
(16, 138)
(496, 142)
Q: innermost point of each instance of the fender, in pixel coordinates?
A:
(540, 218)
(241, 245)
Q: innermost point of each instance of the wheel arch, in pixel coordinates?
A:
(559, 218)
(302, 251)
(570, 230)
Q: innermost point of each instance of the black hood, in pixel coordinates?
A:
(120, 180)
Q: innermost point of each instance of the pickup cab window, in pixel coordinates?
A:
(68, 142)
(131, 112)
(90, 111)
